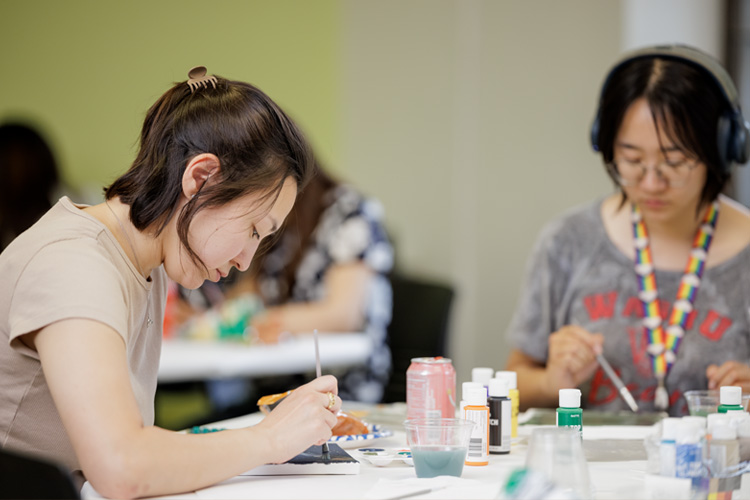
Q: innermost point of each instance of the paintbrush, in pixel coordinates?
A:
(326, 452)
(624, 392)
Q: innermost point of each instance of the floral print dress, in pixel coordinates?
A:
(349, 230)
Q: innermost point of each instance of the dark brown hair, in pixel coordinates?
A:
(298, 230)
(257, 144)
(684, 100)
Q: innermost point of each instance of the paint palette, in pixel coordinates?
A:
(374, 431)
(381, 457)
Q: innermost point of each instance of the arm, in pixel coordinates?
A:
(571, 361)
(84, 362)
(341, 310)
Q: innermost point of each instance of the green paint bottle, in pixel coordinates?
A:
(569, 414)
(730, 398)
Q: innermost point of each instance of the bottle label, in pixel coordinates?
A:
(570, 419)
(478, 453)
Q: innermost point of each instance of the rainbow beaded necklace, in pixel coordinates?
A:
(663, 344)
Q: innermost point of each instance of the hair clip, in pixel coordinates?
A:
(197, 78)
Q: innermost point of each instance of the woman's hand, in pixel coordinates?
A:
(302, 419)
(729, 373)
(572, 357)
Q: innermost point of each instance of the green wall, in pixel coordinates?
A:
(86, 71)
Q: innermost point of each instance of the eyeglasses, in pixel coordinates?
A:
(631, 173)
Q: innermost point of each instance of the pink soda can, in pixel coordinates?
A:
(430, 388)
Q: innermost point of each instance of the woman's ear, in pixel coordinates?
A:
(199, 170)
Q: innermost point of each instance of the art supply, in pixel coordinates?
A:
(464, 391)
(500, 417)
(667, 446)
(730, 398)
(743, 439)
(569, 414)
(624, 392)
(689, 451)
(476, 410)
(311, 462)
(430, 388)
(482, 375)
(438, 445)
(515, 398)
(724, 448)
(324, 450)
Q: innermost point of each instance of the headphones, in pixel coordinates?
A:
(733, 132)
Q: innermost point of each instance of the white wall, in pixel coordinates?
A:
(469, 120)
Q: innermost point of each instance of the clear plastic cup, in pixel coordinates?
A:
(438, 445)
(557, 453)
(702, 403)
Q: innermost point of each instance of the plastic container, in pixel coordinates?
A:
(514, 395)
(569, 414)
(667, 446)
(730, 398)
(482, 375)
(476, 411)
(500, 417)
(464, 392)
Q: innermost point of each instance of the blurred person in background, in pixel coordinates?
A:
(30, 179)
(657, 275)
(326, 270)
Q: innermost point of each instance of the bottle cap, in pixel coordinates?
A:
(714, 418)
(687, 432)
(482, 375)
(477, 396)
(730, 395)
(465, 388)
(498, 388)
(723, 430)
(669, 428)
(699, 421)
(510, 377)
(570, 398)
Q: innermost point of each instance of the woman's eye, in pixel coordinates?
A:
(632, 162)
(675, 162)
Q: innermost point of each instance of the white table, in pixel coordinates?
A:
(191, 360)
(610, 479)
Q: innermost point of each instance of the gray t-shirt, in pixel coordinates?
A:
(576, 275)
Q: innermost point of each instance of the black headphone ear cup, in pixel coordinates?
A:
(740, 143)
(725, 141)
(595, 133)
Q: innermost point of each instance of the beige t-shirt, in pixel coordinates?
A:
(68, 265)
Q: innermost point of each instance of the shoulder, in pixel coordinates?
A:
(732, 236)
(576, 224)
(65, 244)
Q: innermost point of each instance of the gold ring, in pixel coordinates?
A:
(331, 401)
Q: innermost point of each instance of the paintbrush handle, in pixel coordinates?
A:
(610, 372)
(317, 354)
(623, 390)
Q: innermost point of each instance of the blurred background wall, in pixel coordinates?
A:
(468, 119)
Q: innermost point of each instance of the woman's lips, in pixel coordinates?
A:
(654, 204)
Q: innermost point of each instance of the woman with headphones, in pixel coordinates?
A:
(656, 277)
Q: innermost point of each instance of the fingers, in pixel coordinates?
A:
(729, 373)
(324, 383)
(572, 354)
